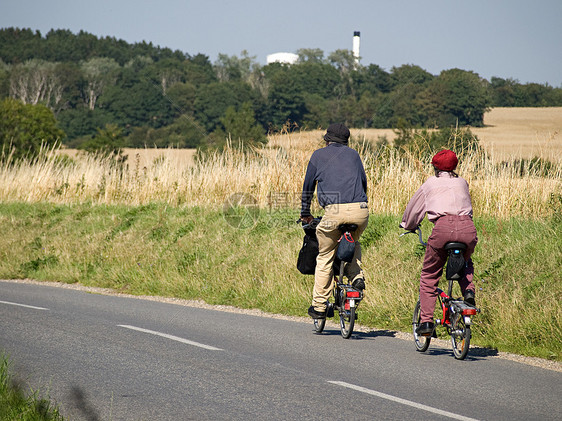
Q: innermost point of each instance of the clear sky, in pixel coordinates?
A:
(517, 39)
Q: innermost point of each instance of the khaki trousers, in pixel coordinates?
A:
(328, 235)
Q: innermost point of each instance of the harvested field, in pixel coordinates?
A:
(522, 132)
(508, 133)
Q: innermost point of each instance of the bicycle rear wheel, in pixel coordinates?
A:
(347, 322)
(460, 338)
(421, 342)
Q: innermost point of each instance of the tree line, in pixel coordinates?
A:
(144, 95)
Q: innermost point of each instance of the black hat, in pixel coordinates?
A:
(337, 132)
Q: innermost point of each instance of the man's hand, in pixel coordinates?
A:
(307, 219)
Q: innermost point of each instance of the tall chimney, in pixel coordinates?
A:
(356, 38)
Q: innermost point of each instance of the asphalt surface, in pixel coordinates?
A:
(104, 357)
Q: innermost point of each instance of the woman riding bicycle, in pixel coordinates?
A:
(446, 200)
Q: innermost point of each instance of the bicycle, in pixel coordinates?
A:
(456, 314)
(346, 297)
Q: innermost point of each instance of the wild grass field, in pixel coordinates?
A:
(164, 226)
(273, 175)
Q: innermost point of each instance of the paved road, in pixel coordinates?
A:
(105, 357)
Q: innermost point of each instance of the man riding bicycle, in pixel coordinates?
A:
(446, 200)
(338, 174)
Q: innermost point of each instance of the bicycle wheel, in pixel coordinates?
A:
(460, 338)
(421, 342)
(347, 321)
(319, 325)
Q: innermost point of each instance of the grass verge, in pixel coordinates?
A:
(248, 259)
(15, 404)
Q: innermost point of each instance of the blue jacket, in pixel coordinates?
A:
(338, 173)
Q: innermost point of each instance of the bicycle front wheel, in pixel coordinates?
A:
(421, 342)
(460, 338)
(319, 325)
(347, 321)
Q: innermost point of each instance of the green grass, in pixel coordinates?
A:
(198, 253)
(15, 404)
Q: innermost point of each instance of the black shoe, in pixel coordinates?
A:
(359, 284)
(316, 314)
(469, 297)
(329, 310)
(425, 329)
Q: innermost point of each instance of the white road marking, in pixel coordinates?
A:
(172, 337)
(403, 401)
(23, 305)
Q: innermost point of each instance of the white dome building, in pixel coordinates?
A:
(287, 58)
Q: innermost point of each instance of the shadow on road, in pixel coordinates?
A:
(80, 401)
(475, 353)
(357, 335)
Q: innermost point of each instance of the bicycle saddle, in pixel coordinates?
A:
(347, 227)
(454, 245)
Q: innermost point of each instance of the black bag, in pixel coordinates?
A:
(306, 262)
(346, 248)
(455, 265)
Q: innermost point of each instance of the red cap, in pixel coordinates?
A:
(445, 160)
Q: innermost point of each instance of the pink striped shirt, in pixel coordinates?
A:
(438, 196)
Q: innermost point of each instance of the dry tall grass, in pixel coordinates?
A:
(273, 174)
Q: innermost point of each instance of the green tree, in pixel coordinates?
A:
(534, 95)
(366, 109)
(37, 81)
(99, 72)
(315, 78)
(198, 70)
(4, 79)
(425, 143)
(461, 97)
(136, 99)
(502, 92)
(213, 99)
(240, 126)
(24, 128)
(311, 55)
(285, 102)
(108, 141)
(81, 123)
(344, 61)
(371, 79)
(402, 102)
(233, 68)
(317, 112)
(408, 74)
(182, 97)
(184, 132)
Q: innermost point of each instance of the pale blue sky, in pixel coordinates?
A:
(518, 39)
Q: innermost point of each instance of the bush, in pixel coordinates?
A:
(26, 128)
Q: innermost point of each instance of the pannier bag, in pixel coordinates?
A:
(306, 262)
(346, 248)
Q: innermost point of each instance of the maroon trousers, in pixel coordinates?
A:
(458, 228)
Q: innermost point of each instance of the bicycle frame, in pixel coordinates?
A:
(447, 303)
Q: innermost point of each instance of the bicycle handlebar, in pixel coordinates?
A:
(414, 231)
(312, 224)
